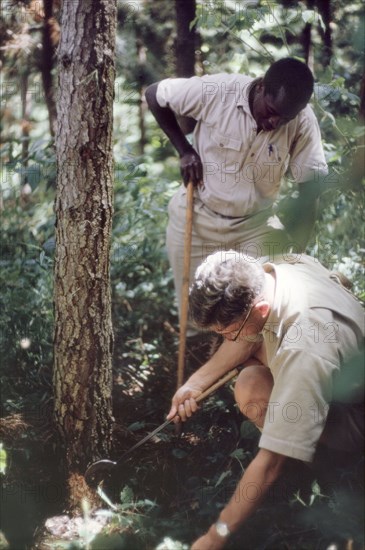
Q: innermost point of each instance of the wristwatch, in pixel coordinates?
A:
(222, 529)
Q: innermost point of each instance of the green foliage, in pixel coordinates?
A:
(175, 488)
(315, 494)
(26, 306)
(3, 456)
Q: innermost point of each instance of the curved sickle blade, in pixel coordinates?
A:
(101, 469)
(98, 471)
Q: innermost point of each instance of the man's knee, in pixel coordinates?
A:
(252, 392)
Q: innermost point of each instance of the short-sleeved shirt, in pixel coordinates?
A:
(312, 337)
(243, 169)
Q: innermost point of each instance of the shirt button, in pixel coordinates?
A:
(221, 145)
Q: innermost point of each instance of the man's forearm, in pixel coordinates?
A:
(167, 121)
(263, 471)
(228, 356)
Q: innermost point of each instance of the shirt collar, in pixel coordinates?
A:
(273, 322)
(243, 102)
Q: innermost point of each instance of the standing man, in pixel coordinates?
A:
(299, 335)
(248, 134)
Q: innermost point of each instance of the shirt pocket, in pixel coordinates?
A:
(280, 156)
(273, 163)
(226, 149)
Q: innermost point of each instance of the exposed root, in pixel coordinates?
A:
(80, 491)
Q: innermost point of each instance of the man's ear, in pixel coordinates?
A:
(263, 308)
(260, 86)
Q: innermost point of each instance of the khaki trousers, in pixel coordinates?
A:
(261, 237)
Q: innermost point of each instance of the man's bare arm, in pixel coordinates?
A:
(190, 163)
(228, 356)
(263, 471)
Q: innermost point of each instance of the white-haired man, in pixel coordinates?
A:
(298, 333)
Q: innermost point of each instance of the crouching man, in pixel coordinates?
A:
(298, 333)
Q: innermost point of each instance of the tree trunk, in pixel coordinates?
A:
(185, 46)
(83, 326)
(185, 38)
(141, 55)
(324, 8)
(362, 100)
(306, 39)
(49, 41)
(26, 108)
(357, 161)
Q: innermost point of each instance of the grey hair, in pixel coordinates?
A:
(225, 287)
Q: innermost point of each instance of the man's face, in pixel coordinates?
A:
(241, 330)
(271, 113)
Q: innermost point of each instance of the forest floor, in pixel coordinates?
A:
(172, 488)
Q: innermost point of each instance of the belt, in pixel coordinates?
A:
(223, 216)
(228, 217)
(267, 212)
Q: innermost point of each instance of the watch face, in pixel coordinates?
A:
(222, 529)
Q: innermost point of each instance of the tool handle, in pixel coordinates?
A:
(185, 282)
(231, 374)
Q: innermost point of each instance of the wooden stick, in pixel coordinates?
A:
(185, 283)
(230, 374)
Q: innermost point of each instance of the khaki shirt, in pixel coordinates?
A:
(314, 331)
(243, 169)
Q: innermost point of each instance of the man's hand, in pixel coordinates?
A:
(210, 541)
(191, 168)
(183, 403)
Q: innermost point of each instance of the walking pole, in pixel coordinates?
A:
(185, 284)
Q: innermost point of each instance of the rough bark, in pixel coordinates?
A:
(83, 327)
